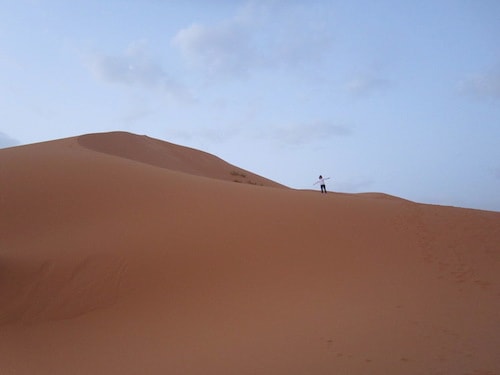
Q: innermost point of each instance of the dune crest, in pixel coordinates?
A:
(119, 256)
(171, 156)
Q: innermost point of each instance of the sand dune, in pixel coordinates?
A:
(122, 254)
(170, 156)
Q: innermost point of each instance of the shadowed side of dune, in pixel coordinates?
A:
(168, 155)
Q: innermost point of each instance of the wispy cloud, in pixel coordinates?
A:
(221, 49)
(7, 141)
(485, 84)
(136, 68)
(303, 133)
(294, 134)
(366, 84)
(250, 40)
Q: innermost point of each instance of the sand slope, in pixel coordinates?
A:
(168, 155)
(149, 259)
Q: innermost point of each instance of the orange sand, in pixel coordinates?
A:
(122, 254)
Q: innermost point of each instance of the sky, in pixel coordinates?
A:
(398, 97)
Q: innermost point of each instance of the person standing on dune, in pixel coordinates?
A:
(321, 181)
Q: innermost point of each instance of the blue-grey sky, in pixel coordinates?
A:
(400, 97)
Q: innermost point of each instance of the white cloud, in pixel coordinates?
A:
(296, 134)
(222, 49)
(366, 84)
(136, 68)
(261, 35)
(484, 84)
(303, 133)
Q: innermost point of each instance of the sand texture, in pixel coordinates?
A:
(122, 254)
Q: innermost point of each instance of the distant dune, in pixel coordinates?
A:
(123, 254)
